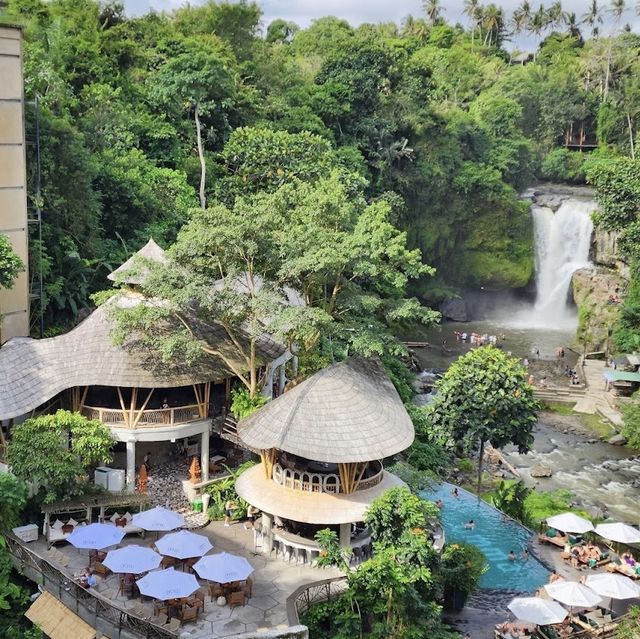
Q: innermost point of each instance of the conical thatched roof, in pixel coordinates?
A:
(348, 412)
(32, 371)
(150, 251)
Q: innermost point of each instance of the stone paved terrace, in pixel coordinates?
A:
(274, 581)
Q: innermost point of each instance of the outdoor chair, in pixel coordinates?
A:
(100, 569)
(200, 597)
(237, 598)
(167, 561)
(215, 591)
(173, 625)
(160, 607)
(188, 564)
(189, 614)
(248, 587)
(146, 611)
(160, 620)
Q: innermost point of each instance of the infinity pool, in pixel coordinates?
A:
(493, 536)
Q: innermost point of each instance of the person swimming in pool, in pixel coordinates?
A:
(511, 556)
(470, 525)
(455, 492)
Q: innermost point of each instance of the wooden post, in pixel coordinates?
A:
(134, 401)
(83, 399)
(227, 392)
(207, 397)
(144, 405)
(268, 457)
(122, 405)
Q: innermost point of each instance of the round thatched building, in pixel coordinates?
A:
(322, 444)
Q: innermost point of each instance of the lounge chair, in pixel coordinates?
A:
(160, 620)
(556, 540)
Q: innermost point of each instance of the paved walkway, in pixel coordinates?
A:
(597, 400)
(274, 581)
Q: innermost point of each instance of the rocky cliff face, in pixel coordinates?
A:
(597, 292)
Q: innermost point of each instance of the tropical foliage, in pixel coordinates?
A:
(484, 397)
(55, 452)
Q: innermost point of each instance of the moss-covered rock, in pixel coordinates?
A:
(593, 291)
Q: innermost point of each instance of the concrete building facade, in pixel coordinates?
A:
(14, 303)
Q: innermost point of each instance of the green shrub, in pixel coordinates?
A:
(562, 165)
(462, 567)
(543, 504)
(225, 490)
(466, 465)
(242, 404)
(510, 497)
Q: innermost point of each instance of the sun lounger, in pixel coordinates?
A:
(560, 541)
(627, 570)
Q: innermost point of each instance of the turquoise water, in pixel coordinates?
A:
(493, 536)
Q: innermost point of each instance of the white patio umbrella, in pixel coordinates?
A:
(184, 544)
(573, 594)
(96, 536)
(539, 611)
(158, 519)
(223, 568)
(132, 559)
(570, 523)
(168, 584)
(622, 533)
(613, 586)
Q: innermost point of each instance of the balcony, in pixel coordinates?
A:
(152, 418)
(322, 482)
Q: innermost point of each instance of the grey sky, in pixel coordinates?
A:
(357, 11)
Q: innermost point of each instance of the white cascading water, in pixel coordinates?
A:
(561, 242)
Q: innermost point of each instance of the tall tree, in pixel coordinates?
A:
(593, 17)
(471, 8)
(484, 397)
(433, 10)
(200, 81)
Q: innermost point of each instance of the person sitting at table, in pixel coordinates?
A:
(88, 579)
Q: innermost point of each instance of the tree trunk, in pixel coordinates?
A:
(480, 467)
(631, 144)
(203, 166)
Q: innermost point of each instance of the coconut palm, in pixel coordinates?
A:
(539, 23)
(433, 9)
(555, 14)
(494, 24)
(571, 23)
(471, 10)
(521, 17)
(593, 17)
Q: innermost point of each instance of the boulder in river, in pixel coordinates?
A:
(618, 440)
(454, 309)
(541, 470)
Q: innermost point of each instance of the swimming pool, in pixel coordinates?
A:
(493, 536)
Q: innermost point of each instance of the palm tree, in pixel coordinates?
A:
(521, 17)
(571, 22)
(618, 7)
(593, 17)
(538, 24)
(433, 9)
(554, 15)
(470, 10)
(493, 23)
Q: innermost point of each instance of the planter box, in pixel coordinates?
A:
(26, 533)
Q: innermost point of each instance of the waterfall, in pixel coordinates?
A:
(561, 241)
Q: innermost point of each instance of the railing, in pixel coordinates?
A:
(301, 599)
(89, 605)
(148, 418)
(319, 482)
(305, 480)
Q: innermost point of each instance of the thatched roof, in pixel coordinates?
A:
(33, 371)
(309, 507)
(348, 412)
(150, 251)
